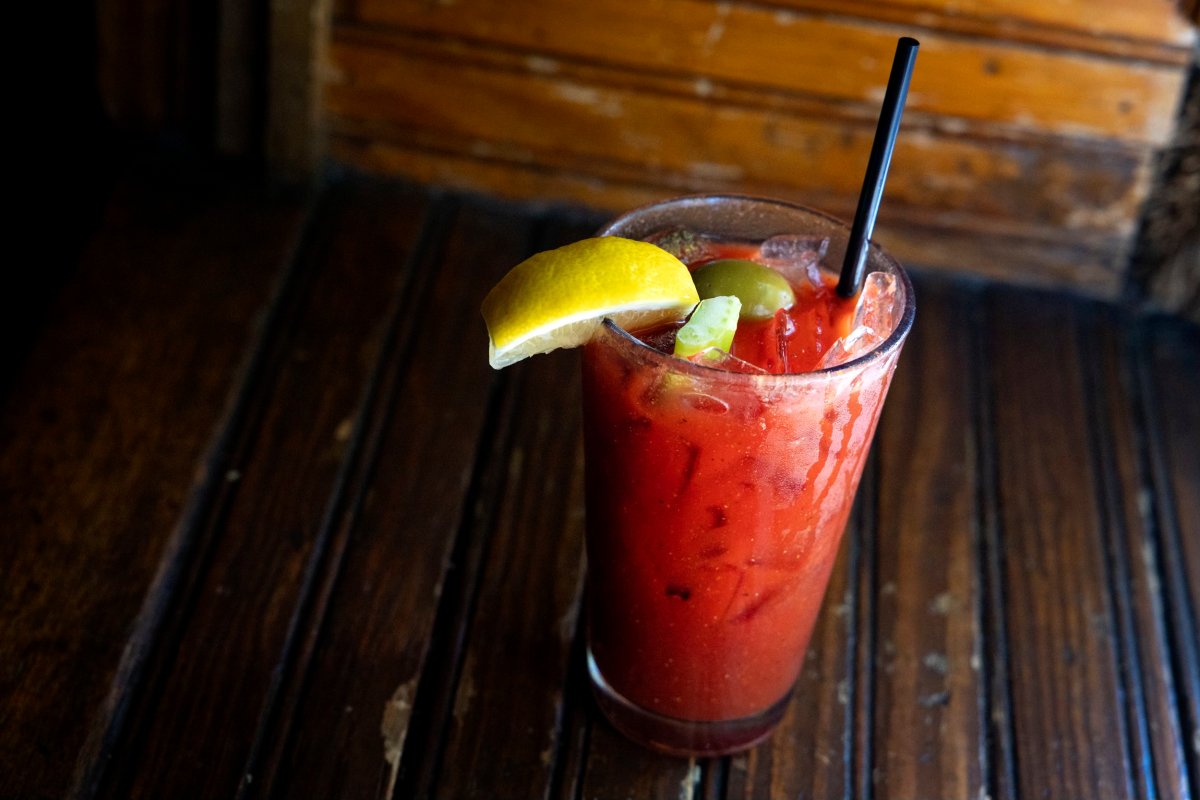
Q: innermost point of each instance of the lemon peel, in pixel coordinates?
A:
(558, 298)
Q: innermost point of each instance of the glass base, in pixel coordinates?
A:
(681, 737)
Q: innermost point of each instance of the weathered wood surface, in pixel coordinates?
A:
(1033, 148)
(1045, 211)
(1033, 89)
(294, 49)
(1056, 574)
(373, 587)
(1029, 145)
(250, 584)
(109, 424)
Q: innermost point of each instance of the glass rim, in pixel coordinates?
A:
(877, 253)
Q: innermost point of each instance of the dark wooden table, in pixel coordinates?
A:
(273, 528)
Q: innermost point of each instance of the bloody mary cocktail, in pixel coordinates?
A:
(717, 491)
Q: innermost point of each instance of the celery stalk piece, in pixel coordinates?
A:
(712, 324)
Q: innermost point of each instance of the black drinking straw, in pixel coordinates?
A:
(877, 167)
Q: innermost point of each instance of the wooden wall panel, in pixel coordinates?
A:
(654, 139)
(1091, 264)
(1027, 151)
(832, 58)
(1109, 26)
(568, 119)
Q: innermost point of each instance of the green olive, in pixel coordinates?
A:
(762, 290)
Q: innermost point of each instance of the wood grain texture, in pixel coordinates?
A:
(404, 562)
(1170, 377)
(929, 692)
(575, 120)
(528, 602)
(1091, 263)
(1137, 553)
(232, 622)
(979, 78)
(1176, 369)
(1070, 729)
(527, 617)
(1030, 141)
(100, 439)
(156, 67)
(1107, 26)
(298, 35)
(616, 767)
(1153, 30)
(373, 581)
(241, 81)
(1166, 264)
(1050, 212)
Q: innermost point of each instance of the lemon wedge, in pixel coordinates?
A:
(558, 298)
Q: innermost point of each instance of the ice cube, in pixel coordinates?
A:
(879, 306)
(686, 245)
(784, 329)
(795, 256)
(861, 340)
(719, 359)
(875, 317)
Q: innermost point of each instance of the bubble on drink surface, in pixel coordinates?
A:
(875, 317)
(686, 245)
(796, 256)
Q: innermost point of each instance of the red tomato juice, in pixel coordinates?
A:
(716, 503)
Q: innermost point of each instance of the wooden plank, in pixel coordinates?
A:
(133, 81)
(528, 602)
(1115, 27)
(1090, 263)
(1171, 380)
(244, 590)
(616, 767)
(155, 66)
(984, 79)
(519, 635)
(1070, 728)
(929, 692)
(241, 89)
(298, 33)
(1151, 30)
(361, 687)
(1175, 366)
(101, 435)
(1168, 250)
(576, 120)
(1001, 775)
(1158, 745)
(578, 717)
(867, 652)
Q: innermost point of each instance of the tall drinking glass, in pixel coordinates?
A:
(716, 502)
